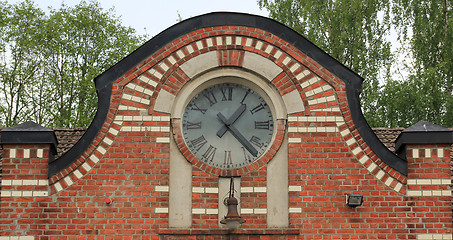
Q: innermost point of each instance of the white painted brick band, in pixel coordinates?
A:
(155, 73)
(136, 99)
(17, 238)
(161, 188)
(25, 182)
(144, 129)
(356, 150)
(139, 88)
(161, 210)
(253, 211)
(78, 174)
(330, 109)
(129, 108)
(310, 81)
(58, 187)
(108, 141)
(253, 189)
(14, 193)
(434, 236)
(205, 190)
(429, 193)
(68, 181)
(12, 153)
(142, 118)
(205, 211)
(198, 211)
(144, 79)
(40, 153)
(86, 166)
(312, 129)
(398, 187)
(429, 181)
(163, 140)
(294, 188)
(295, 210)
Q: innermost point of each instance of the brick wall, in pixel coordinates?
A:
(128, 162)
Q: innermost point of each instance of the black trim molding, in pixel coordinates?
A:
(30, 133)
(422, 132)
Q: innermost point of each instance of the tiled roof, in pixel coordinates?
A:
(388, 136)
(67, 137)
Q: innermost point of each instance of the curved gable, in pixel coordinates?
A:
(297, 68)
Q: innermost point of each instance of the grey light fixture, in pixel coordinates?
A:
(354, 200)
(232, 220)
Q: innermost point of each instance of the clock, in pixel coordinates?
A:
(228, 125)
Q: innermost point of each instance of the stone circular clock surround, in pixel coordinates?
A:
(256, 83)
(228, 125)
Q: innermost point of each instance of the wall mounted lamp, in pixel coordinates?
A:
(354, 200)
(232, 220)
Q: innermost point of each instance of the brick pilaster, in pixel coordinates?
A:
(27, 150)
(426, 148)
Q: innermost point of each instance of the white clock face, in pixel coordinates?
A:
(227, 126)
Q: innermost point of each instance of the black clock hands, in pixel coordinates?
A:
(227, 126)
(232, 119)
(237, 134)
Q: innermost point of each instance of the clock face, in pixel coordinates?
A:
(227, 126)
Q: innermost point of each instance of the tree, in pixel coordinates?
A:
(20, 60)
(60, 55)
(352, 31)
(428, 28)
(90, 41)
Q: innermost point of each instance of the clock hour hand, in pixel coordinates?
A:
(231, 120)
(238, 135)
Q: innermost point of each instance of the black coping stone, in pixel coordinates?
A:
(29, 133)
(423, 132)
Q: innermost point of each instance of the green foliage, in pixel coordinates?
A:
(352, 31)
(428, 27)
(355, 33)
(20, 60)
(47, 70)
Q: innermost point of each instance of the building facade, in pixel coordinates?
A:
(221, 98)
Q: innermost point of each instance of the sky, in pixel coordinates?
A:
(152, 17)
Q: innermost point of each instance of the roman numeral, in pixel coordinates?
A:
(227, 160)
(245, 96)
(195, 107)
(257, 108)
(262, 125)
(256, 141)
(210, 96)
(191, 125)
(198, 143)
(247, 156)
(209, 154)
(227, 93)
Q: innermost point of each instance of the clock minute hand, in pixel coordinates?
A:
(238, 135)
(231, 120)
